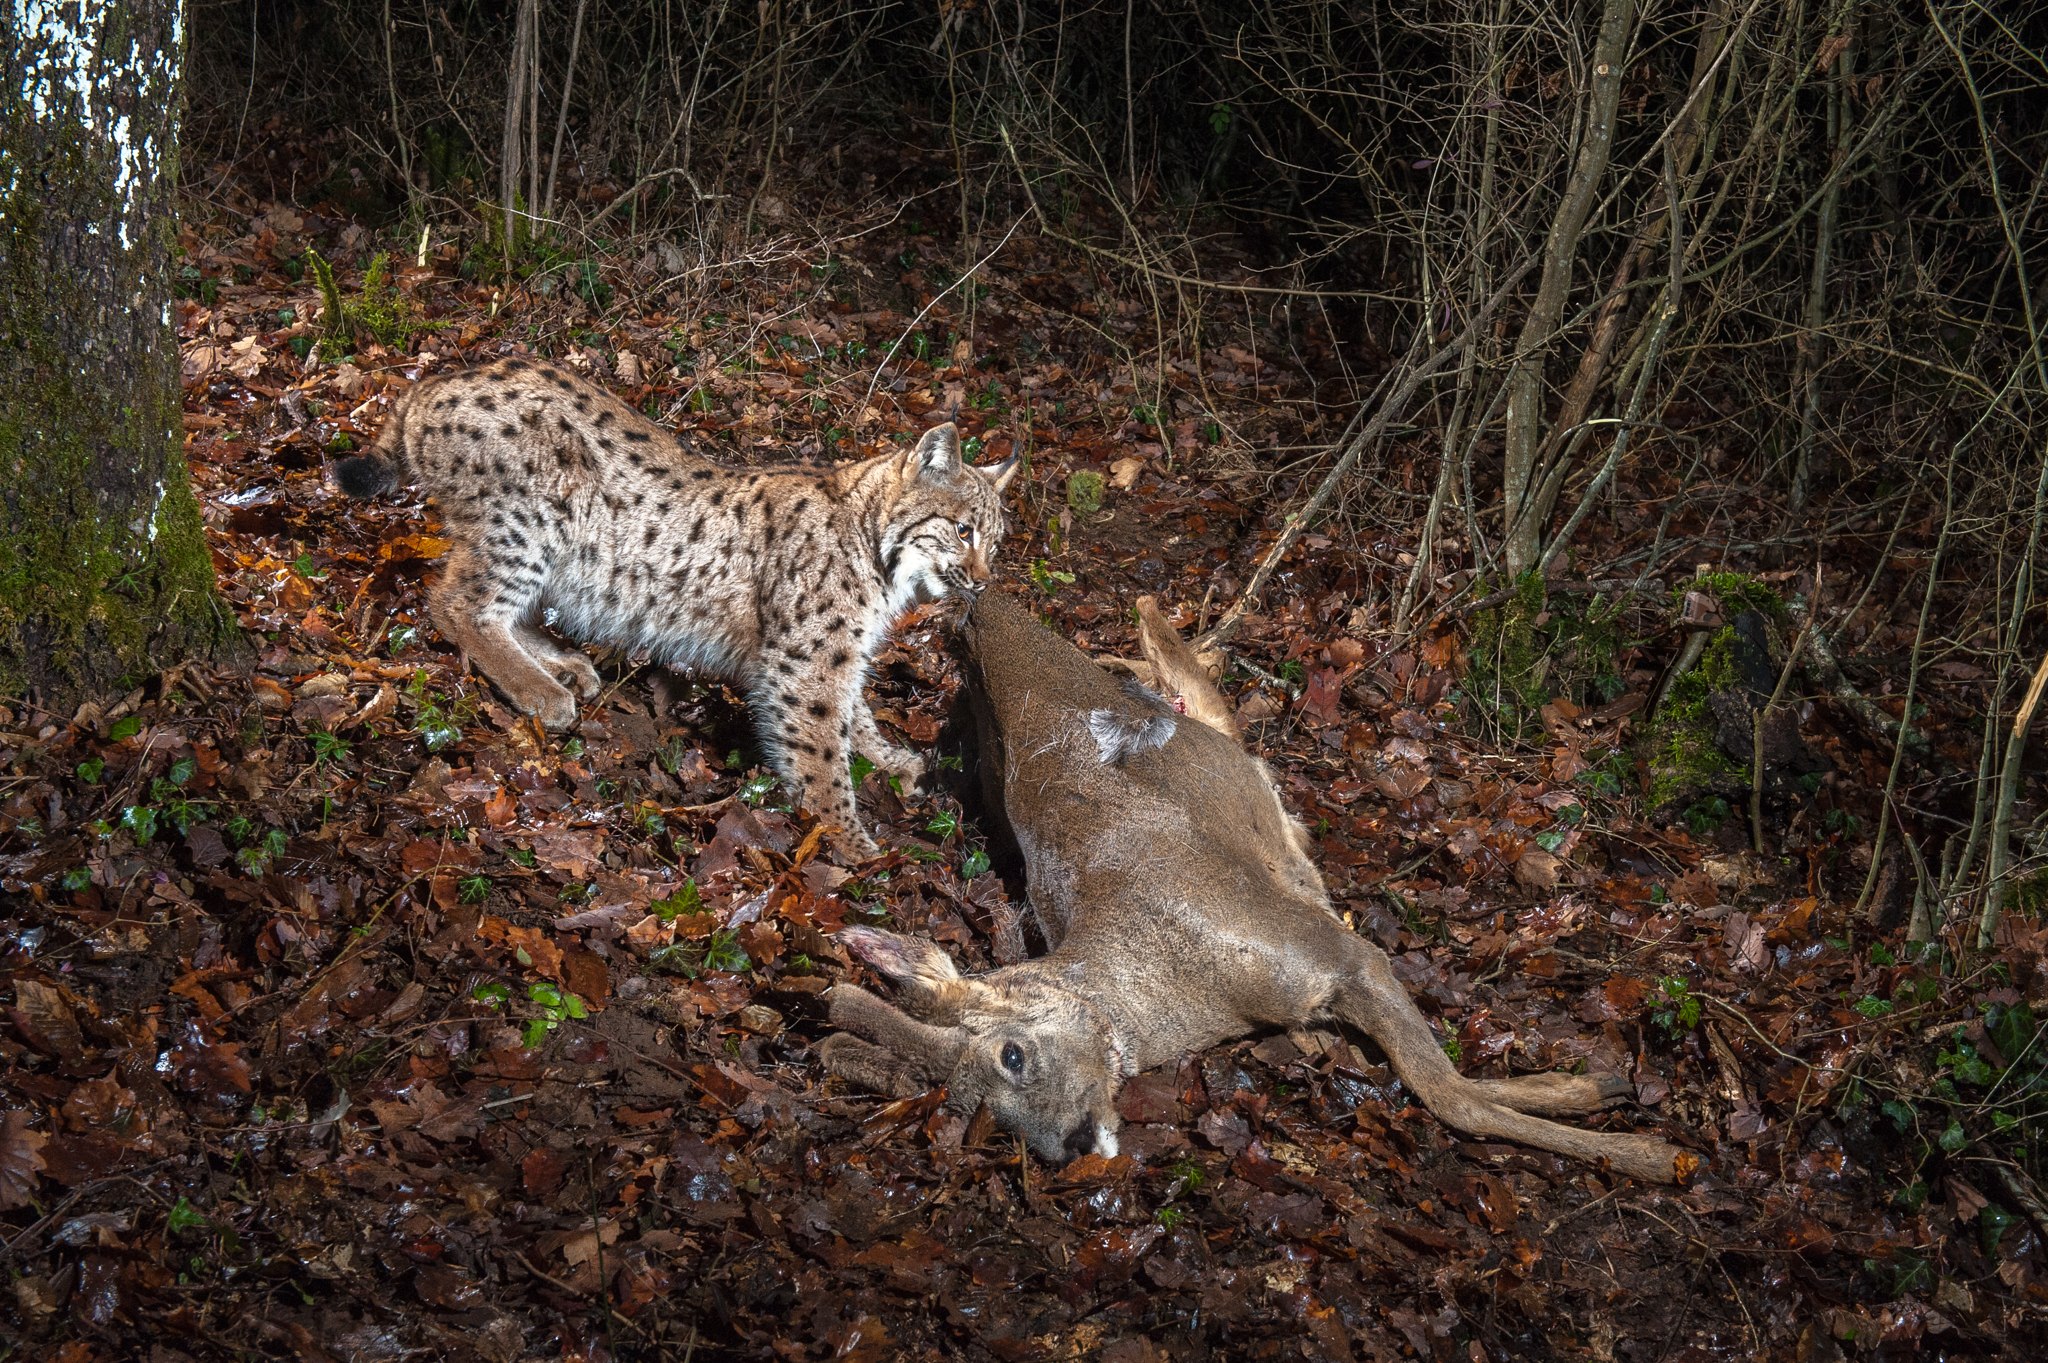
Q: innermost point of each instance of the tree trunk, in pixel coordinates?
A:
(1526, 494)
(104, 572)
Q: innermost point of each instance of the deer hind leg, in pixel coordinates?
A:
(1557, 1095)
(1373, 1000)
(479, 607)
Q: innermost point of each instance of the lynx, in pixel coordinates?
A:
(567, 505)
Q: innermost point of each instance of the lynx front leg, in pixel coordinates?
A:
(571, 666)
(869, 743)
(805, 719)
(478, 607)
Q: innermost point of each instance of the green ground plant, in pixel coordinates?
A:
(378, 313)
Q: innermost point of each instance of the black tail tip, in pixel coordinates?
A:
(363, 475)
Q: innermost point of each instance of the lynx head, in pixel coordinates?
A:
(1039, 1055)
(947, 521)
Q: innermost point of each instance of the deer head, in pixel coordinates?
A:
(1035, 1053)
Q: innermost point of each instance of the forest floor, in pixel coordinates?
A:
(351, 1018)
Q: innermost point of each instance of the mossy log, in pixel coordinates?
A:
(104, 572)
(1699, 739)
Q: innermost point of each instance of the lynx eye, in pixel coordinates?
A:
(966, 531)
(1013, 1057)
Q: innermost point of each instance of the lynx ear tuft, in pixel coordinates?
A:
(936, 454)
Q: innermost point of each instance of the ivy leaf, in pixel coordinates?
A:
(183, 1217)
(1992, 1222)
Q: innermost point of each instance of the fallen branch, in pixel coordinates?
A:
(1827, 670)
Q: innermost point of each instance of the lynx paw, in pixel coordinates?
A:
(555, 713)
(854, 847)
(579, 674)
(906, 766)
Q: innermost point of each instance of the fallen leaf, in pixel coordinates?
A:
(21, 1159)
(407, 547)
(1537, 870)
(45, 1020)
(1325, 691)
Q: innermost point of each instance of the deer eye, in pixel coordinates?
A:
(1013, 1057)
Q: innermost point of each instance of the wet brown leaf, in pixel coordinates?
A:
(21, 1159)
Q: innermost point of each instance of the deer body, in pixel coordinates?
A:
(1182, 910)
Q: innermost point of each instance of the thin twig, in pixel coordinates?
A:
(1357, 439)
(1762, 717)
(547, 203)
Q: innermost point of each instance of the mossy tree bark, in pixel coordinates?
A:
(104, 572)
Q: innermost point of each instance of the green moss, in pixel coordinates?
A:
(1506, 680)
(379, 313)
(104, 572)
(1684, 756)
(1681, 744)
(1532, 649)
(2029, 894)
(1737, 592)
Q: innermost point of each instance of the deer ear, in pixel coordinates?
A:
(930, 984)
(1178, 673)
(931, 1051)
(935, 455)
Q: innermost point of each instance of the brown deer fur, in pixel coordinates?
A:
(1182, 910)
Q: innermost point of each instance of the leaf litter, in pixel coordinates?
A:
(349, 1017)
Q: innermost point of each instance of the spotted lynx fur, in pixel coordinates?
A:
(564, 503)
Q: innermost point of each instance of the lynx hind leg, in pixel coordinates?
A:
(571, 666)
(478, 607)
(807, 722)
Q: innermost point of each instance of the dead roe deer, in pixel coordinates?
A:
(1182, 910)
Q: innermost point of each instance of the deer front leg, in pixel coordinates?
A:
(802, 710)
(900, 1055)
(870, 1066)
